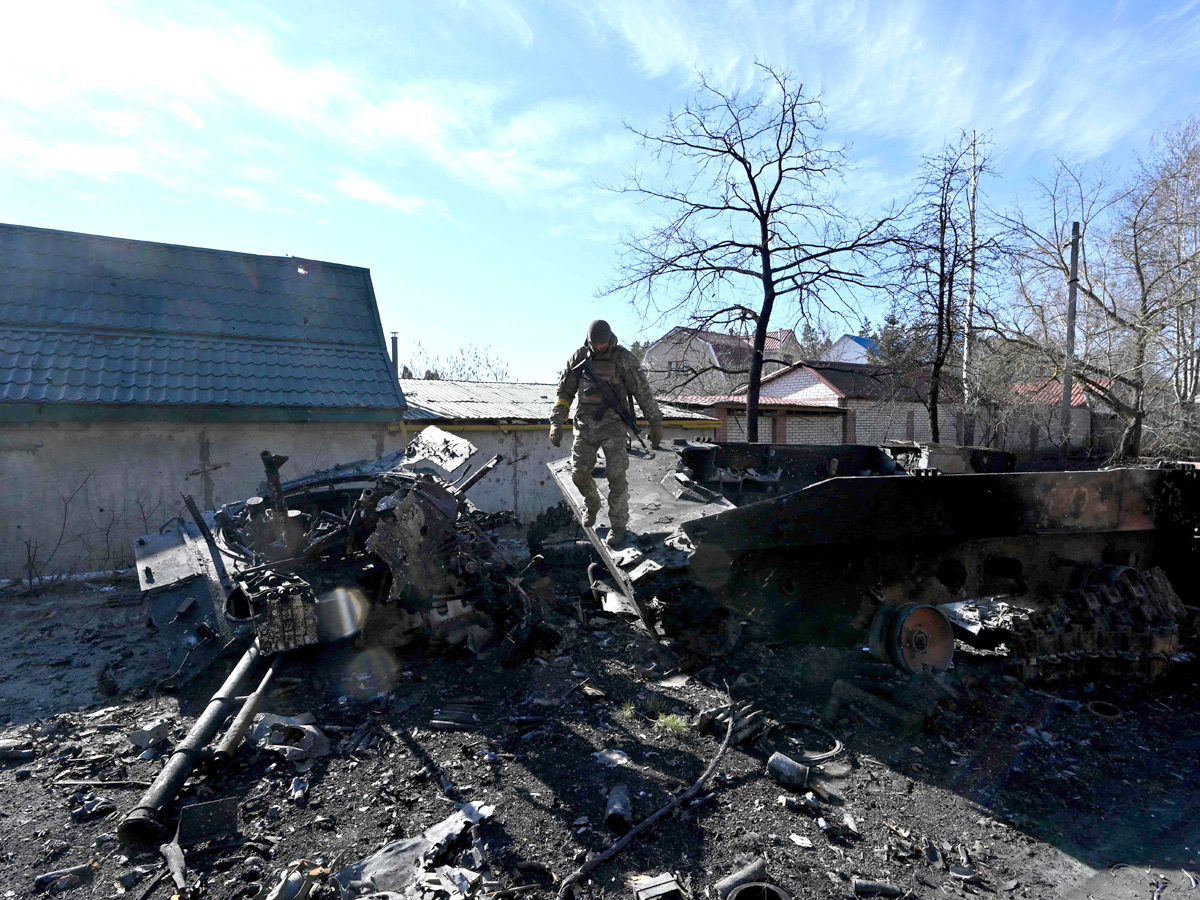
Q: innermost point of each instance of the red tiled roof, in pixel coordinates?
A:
(1048, 393)
(707, 400)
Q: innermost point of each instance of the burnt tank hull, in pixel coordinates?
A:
(810, 540)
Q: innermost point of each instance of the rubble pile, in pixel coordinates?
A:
(388, 552)
(466, 779)
(377, 739)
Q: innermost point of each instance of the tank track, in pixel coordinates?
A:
(548, 522)
(1129, 626)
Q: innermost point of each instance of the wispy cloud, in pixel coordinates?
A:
(44, 158)
(454, 125)
(186, 113)
(919, 71)
(361, 188)
(132, 73)
(505, 15)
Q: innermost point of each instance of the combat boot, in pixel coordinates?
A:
(592, 511)
(616, 536)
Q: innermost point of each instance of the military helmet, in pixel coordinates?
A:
(599, 333)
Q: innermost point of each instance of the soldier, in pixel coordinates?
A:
(599, 425)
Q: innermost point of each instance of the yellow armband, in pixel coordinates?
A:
(561, 402)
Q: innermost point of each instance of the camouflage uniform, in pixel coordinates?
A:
(617, 366)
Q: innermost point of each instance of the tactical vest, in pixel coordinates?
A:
(606, 370)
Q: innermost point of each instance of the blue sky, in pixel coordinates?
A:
(456, 148)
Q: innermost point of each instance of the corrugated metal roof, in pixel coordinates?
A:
(91, 319)
(492, 401)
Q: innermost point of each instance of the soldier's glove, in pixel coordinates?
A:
(656, 436)
(556, 435)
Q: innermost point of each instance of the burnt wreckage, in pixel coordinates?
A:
(387, 553)
(1070, 571)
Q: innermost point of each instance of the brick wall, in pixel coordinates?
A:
(735, 428)
(806, 428)
(801, 387)
(876, 422)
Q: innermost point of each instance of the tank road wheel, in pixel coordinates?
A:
(912, 638)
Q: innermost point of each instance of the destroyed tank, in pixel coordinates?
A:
(844, 543)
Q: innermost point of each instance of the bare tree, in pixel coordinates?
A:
(1176, 166)
(942, 252)
(1136, 285)
(749, 217)
(469, 363)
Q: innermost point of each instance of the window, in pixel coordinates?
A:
(674, 365)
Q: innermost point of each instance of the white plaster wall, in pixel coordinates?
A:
(846, 349)
(522, 482)
(695, 356)
(131, 475)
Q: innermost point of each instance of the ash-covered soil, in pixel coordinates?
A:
(1011, 790)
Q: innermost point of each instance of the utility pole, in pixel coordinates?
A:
(968, 417)
(1069, 363)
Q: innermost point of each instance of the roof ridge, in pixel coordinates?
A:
(214, 250)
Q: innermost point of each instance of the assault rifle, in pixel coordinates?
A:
(611, 398)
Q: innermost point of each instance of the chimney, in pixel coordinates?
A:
(396, 354)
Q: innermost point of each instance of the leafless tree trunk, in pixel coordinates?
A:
(749, 219)
(968, 387)
(942, 249)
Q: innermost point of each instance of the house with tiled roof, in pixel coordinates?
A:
(834, 402)
(695, 360)
(831, 402)
(132, 372)
(1029, 418)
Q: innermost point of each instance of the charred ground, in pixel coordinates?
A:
(1032, 790)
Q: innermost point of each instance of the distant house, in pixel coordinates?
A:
(1029, 419)
(132, 372)
(696, 361)
(828, 402)
(853, 348)
(512, 419)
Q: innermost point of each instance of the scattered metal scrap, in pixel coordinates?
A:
(391, 547)
(388, 553)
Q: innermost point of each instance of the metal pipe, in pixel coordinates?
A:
(229, 744)
(213, 549)
(476, 476)
(141, 824)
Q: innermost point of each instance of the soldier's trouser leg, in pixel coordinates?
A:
(583, 460)
(616, 467)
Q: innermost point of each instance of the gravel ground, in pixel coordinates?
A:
(1031, 791)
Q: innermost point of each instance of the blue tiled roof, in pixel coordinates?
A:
(97, 320)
